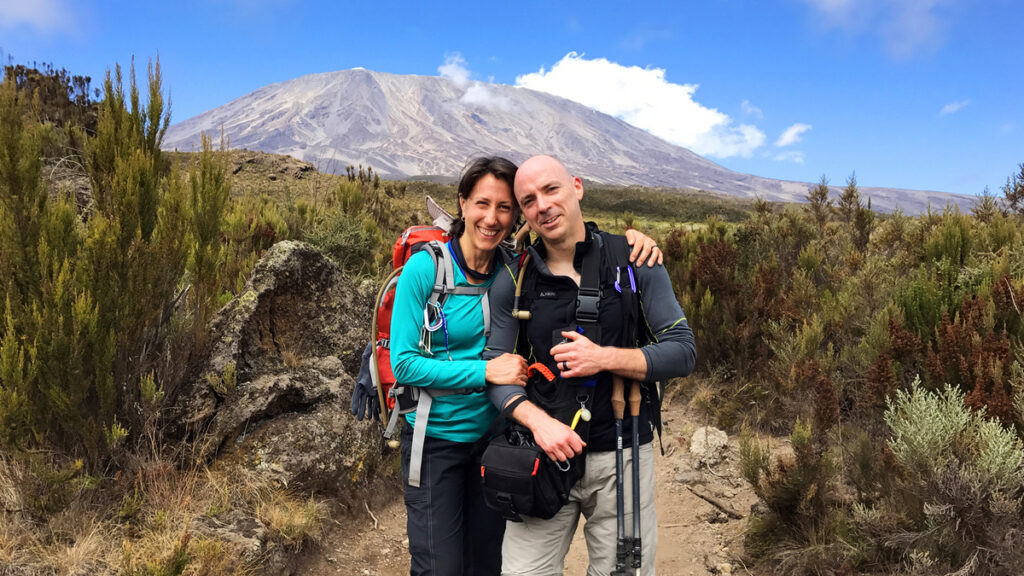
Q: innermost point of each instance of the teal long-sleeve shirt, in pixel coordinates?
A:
(456, 417)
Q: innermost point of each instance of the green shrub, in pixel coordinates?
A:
(799, 529)
(351, 242)
(966, 477)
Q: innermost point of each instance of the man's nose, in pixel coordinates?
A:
(542, 204)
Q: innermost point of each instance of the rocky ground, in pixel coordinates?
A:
(695, 536)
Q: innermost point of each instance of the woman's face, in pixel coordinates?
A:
(488, 214)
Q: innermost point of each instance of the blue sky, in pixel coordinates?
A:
(920, 94)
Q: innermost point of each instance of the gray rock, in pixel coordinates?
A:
(324, 451)
(687, 475)
(278, 379)
(251, 538)
(707, 445)
(245, 533)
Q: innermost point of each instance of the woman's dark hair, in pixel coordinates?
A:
(501, 168)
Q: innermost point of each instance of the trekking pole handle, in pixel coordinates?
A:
(634, 398)
(618, 396)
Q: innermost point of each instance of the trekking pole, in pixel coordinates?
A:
(634, 411)
(622, 545)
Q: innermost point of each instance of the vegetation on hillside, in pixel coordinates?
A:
(106, 302)
(889, 349)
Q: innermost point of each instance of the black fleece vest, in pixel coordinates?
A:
(551, 301)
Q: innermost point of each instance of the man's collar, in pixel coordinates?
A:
(540, 250)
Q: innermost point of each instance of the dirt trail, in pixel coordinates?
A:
(694, 537)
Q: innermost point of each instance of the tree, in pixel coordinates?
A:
(1013, 191)
(986, 207)
(819, 205)
(209, 190)
(849, 201)
(84, 300)
(62, 97)
(863, 225)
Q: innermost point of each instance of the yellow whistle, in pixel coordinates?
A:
(581, 413)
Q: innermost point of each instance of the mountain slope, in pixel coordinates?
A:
(417, 125)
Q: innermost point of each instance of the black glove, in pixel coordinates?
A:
(364, 394)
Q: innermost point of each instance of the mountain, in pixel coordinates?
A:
(425, 125)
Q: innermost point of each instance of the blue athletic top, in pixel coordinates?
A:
(457, 417)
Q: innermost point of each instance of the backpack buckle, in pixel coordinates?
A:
(587, 305)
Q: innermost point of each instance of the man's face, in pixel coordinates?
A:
(550, 199)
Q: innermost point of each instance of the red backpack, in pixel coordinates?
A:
(412, 240)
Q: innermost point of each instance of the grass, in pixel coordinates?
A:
(296, 521)
(144, 523)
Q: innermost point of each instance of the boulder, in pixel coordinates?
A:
(707, 446)
(275, 389)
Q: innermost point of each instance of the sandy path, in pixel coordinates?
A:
(694, 537)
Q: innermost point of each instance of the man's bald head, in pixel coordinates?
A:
(550, 200)
(541, 164)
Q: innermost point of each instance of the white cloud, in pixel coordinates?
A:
(454, 68)
(645, 99)
(480, 95)
(904, 27)
(953, 107)
(43, 15)
(792, 135)
(750, 110)
(790, 156)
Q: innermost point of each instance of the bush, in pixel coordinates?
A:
(351, 242)
(964, 472)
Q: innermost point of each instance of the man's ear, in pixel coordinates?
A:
(577, 185)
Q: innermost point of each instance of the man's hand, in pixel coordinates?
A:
(645, 249)
(557, 440)
(579, 357)
(506, 369)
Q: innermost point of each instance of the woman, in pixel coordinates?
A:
(447, 510)
(450, 529)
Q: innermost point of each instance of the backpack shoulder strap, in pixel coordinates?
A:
(636, 330)
(625, 284)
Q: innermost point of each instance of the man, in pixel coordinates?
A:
(584, 357)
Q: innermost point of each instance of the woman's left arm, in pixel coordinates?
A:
(409, 364)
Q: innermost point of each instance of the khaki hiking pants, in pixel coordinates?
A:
(537, 547)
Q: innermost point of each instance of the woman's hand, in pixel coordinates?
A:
(645, 249)
(507, 369)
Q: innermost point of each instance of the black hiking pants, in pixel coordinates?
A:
(451, 531)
